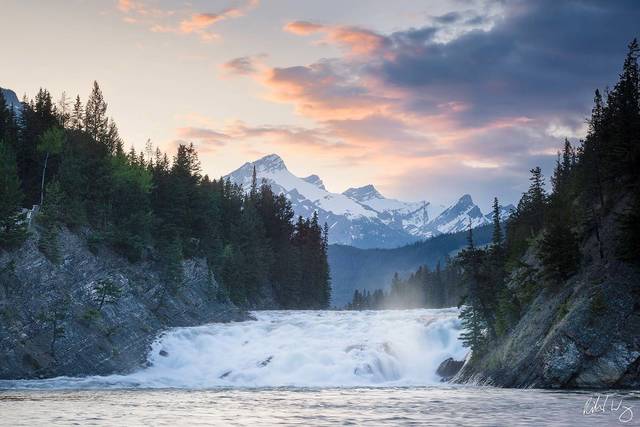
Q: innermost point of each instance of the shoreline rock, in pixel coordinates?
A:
(449, 368)
(51, 324)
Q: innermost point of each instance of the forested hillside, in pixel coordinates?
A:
(367, 270)
(69, 159)
(566, 267)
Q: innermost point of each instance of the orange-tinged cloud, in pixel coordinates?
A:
(125, 5)
(199, 22)
(181, 21)
(302, 28)
(356, 40)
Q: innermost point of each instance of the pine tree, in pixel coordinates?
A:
(559, 252)
(624, 106)
(106, 292)
(12, 227)
(63, 110)
(51, 142)
(50, 218)
(95, 115)
(76, 121)
(253, 192)
(473, 326)
(497, 237)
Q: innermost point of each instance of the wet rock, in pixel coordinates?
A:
(225, 375)
(449, 368)
(265, 362)
(386, 347)
(366, 369)
(164, 353)
(561, 361)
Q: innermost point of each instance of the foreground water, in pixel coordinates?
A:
(304, 368)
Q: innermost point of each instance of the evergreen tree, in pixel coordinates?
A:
(12, 227)
(497, 236)
(95, 115)
(559, 251)
(50, 218)
(106, 292)
(76, 121)
(473, 329)
(51, 142)
(63, 110)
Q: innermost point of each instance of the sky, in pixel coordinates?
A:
(427, 100)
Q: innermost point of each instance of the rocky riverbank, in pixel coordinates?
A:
(94, 312)
(583, 333)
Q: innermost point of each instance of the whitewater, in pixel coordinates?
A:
(293, 348)
(316, 368)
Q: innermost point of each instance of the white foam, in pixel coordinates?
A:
(296, 348)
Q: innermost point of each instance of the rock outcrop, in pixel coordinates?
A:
(449, 368)
(583, 333)
(52, 320)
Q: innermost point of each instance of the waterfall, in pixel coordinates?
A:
(298, 348)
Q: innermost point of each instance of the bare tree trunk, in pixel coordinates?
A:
(44, 171)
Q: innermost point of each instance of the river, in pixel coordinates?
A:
(305, 368)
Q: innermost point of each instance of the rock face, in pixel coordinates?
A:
(449, 368)
(584, 333)
(51, 322)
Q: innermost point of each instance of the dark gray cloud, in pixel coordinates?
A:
(448, 18)
(541, 58)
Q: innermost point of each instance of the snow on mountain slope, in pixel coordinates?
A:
(361, 216)
(11, 100)
(273, 169)
(459, 216)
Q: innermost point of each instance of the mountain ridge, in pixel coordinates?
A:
(361, 216)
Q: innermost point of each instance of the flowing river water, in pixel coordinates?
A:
(305, 368)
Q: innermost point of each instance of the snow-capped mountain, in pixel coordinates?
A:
(361, 217)
(11, 100)
(463, 213)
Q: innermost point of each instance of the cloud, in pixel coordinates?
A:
(324, 90)
(468, 91)
(181, 21)
(199, 22)
(302, 28)
(206, 135)
(356, 40)
(244, 65)
(125, 5)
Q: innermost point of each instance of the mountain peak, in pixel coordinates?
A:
(271, 162)
(362, 194)
(465, 200)
(315, 180)
(11, 100)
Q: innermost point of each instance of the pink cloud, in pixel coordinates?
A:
(244, 65)
(199, 22)
(356, 40)
(181, 21)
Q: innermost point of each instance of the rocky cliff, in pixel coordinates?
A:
(584, 333)
(94, 312)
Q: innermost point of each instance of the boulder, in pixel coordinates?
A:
(449, 368)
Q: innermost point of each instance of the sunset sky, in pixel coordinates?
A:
(424, 99)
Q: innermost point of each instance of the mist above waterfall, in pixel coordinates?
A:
(297, 348)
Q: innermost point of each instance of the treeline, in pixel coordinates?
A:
(69, 159)
(425, 288)
(589, 181)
